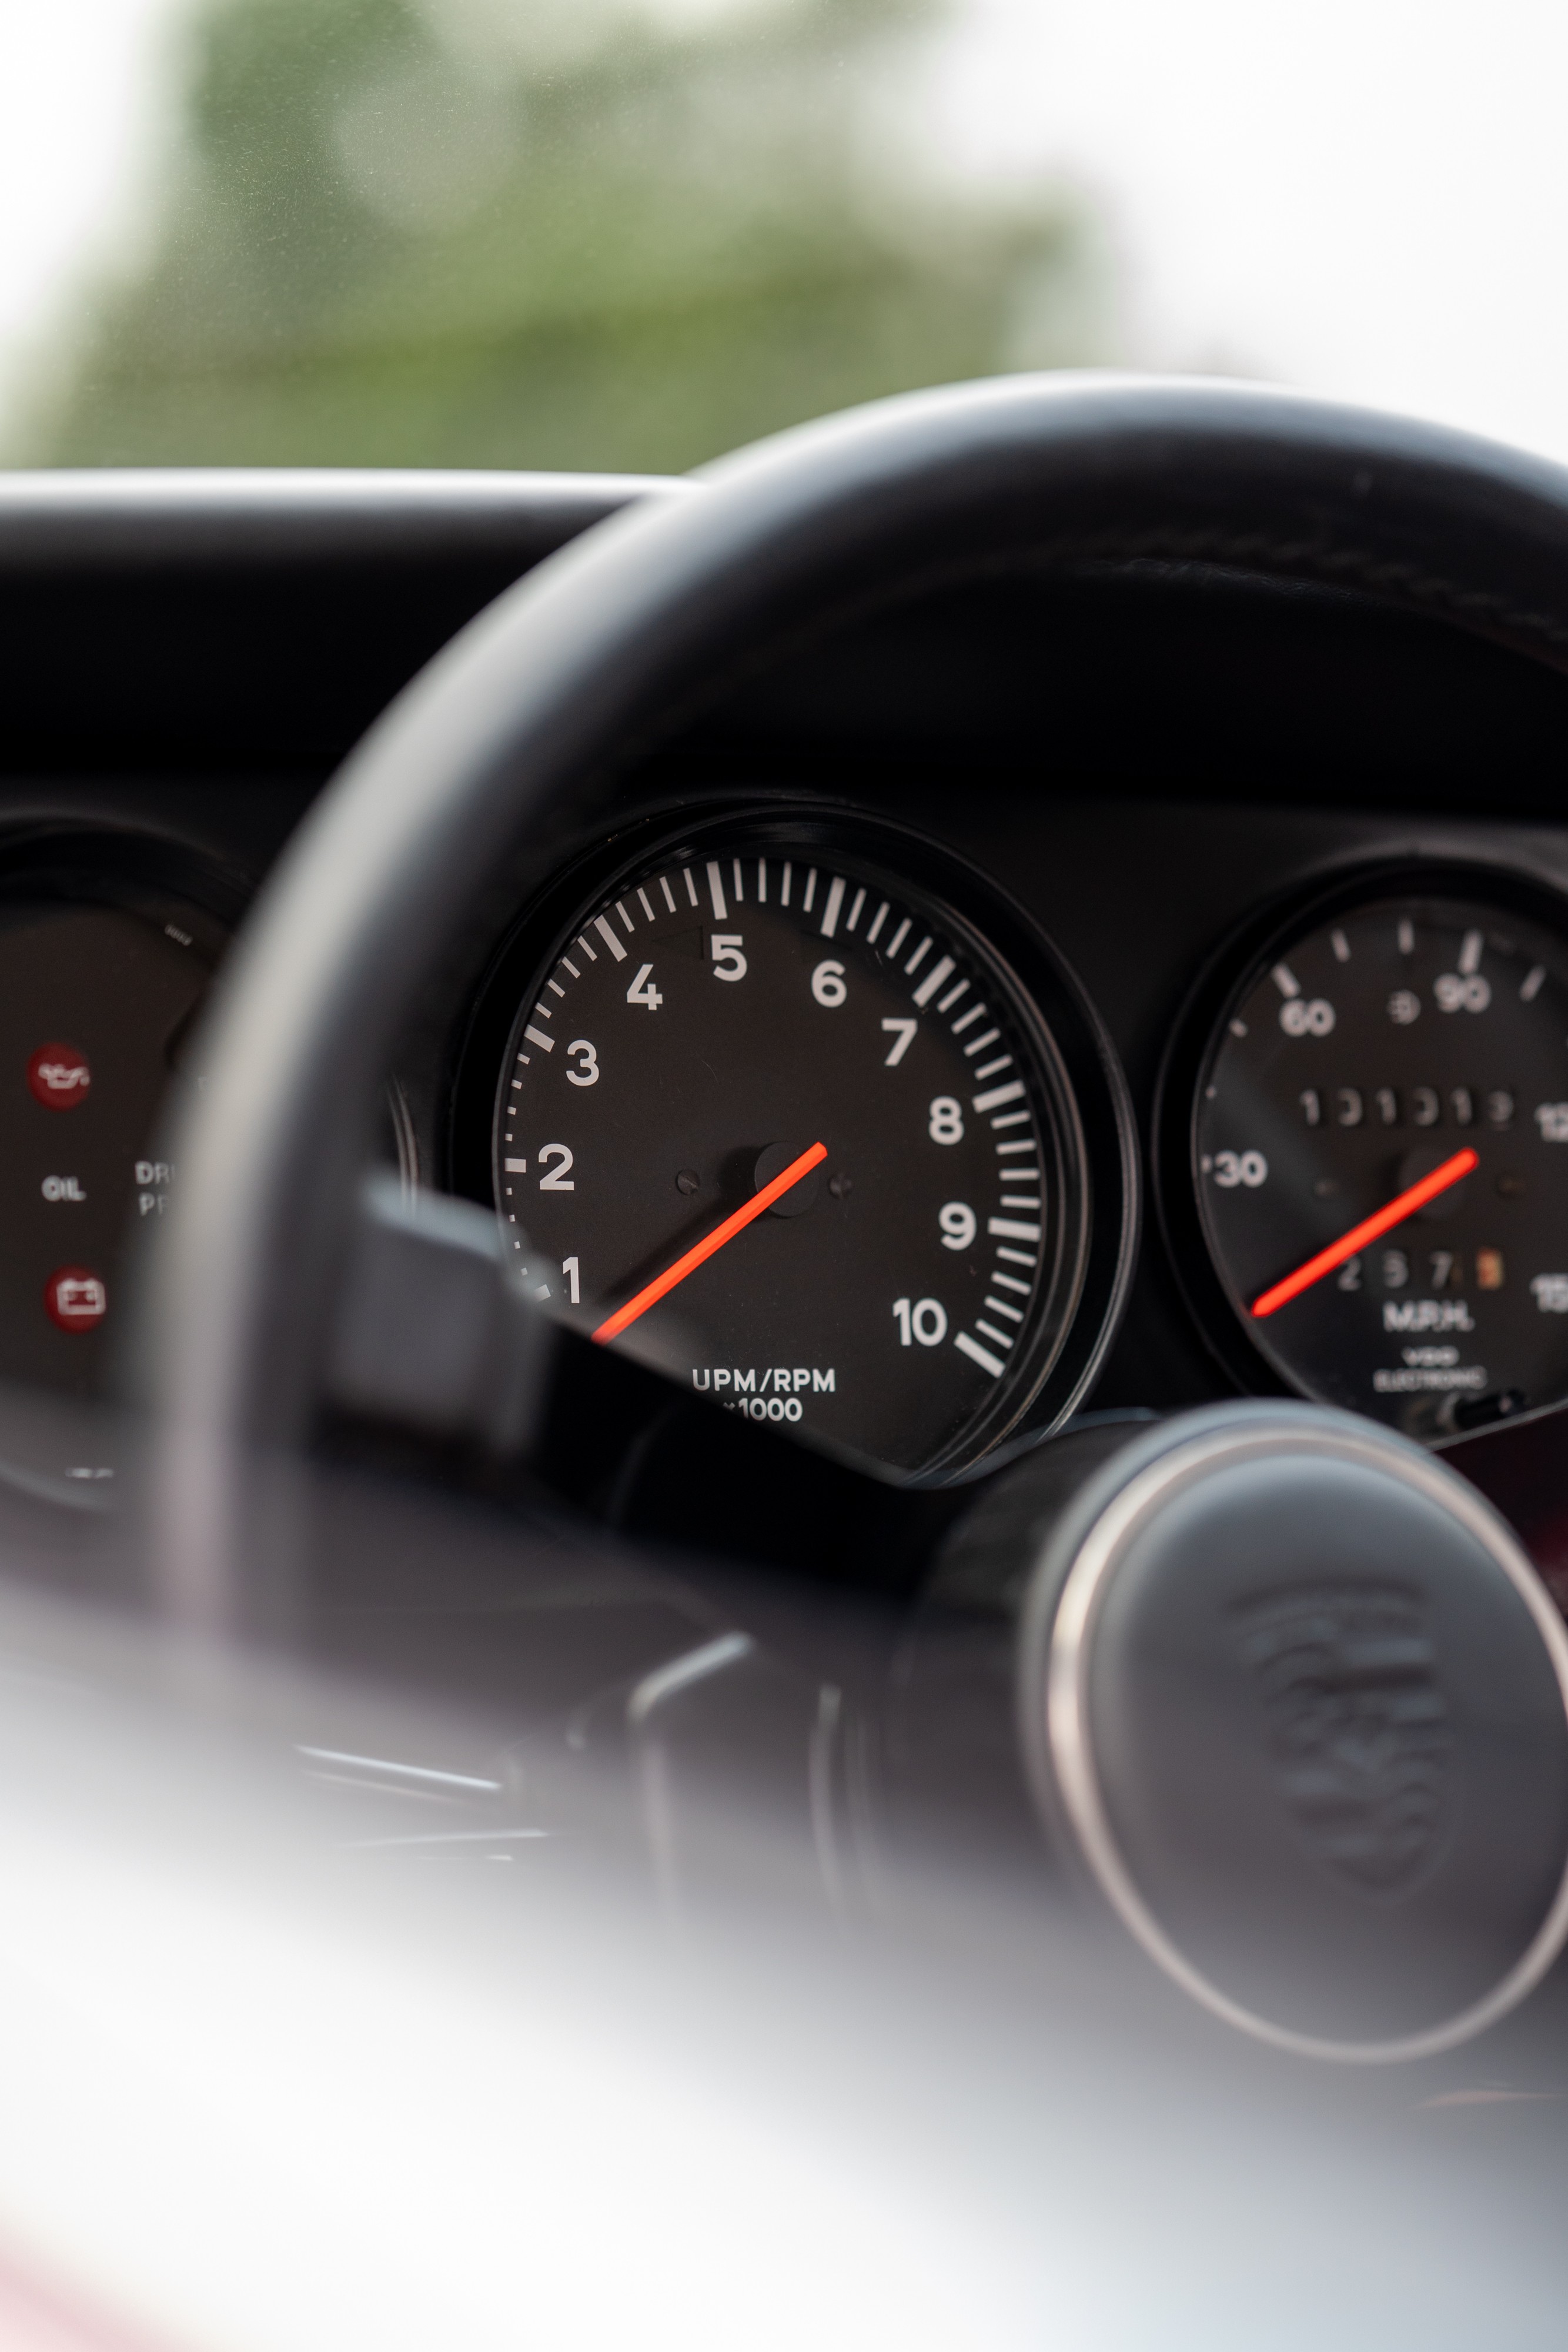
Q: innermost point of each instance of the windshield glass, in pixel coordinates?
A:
(636, 233)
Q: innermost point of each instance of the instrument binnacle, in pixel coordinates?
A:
(1378, 1150)
(781, 1119)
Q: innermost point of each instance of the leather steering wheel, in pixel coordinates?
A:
(518, 728)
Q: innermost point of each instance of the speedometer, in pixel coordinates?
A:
(1378, 1151)
(779, 1118)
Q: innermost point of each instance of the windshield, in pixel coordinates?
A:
(632, 233)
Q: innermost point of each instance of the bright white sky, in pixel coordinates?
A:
(1366, 197)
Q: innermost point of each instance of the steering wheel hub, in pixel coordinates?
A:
(1305, 1705)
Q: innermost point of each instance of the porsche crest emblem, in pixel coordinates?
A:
(1357, 1728)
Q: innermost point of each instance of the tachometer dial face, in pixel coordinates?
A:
(1380, 1152)
(789, 1128)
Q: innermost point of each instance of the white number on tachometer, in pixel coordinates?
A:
(560, 1179)
(956, 1219)
(925, 1319)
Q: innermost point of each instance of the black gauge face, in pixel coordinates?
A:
(787, 1127)
(1380, 1149)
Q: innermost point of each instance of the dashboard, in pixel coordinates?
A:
(1082, 993)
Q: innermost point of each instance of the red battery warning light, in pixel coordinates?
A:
(58, 1077)
(76, 1298)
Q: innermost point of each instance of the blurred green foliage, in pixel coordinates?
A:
(552, 233)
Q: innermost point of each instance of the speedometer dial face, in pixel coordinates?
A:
(786, 1126)
(1380, 1151)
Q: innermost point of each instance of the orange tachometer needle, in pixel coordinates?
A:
(1404, 1204)
(651, 1293)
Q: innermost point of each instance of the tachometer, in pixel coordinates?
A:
(1378, 1148)
(787, 1123)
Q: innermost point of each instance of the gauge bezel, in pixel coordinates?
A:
(1072, 1049)
(1246, 954)
(78, 862)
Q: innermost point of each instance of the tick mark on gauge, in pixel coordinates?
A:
(933, 981)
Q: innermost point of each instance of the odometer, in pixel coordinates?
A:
(1379, 1152)
(787, 1125)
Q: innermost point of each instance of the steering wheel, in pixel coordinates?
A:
(519, 731)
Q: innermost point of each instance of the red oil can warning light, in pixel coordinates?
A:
(58, 1077)
(76, 1298)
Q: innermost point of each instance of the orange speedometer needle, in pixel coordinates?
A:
(652, 1292)
(1404, 1204)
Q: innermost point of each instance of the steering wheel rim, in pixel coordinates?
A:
(523, 721)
